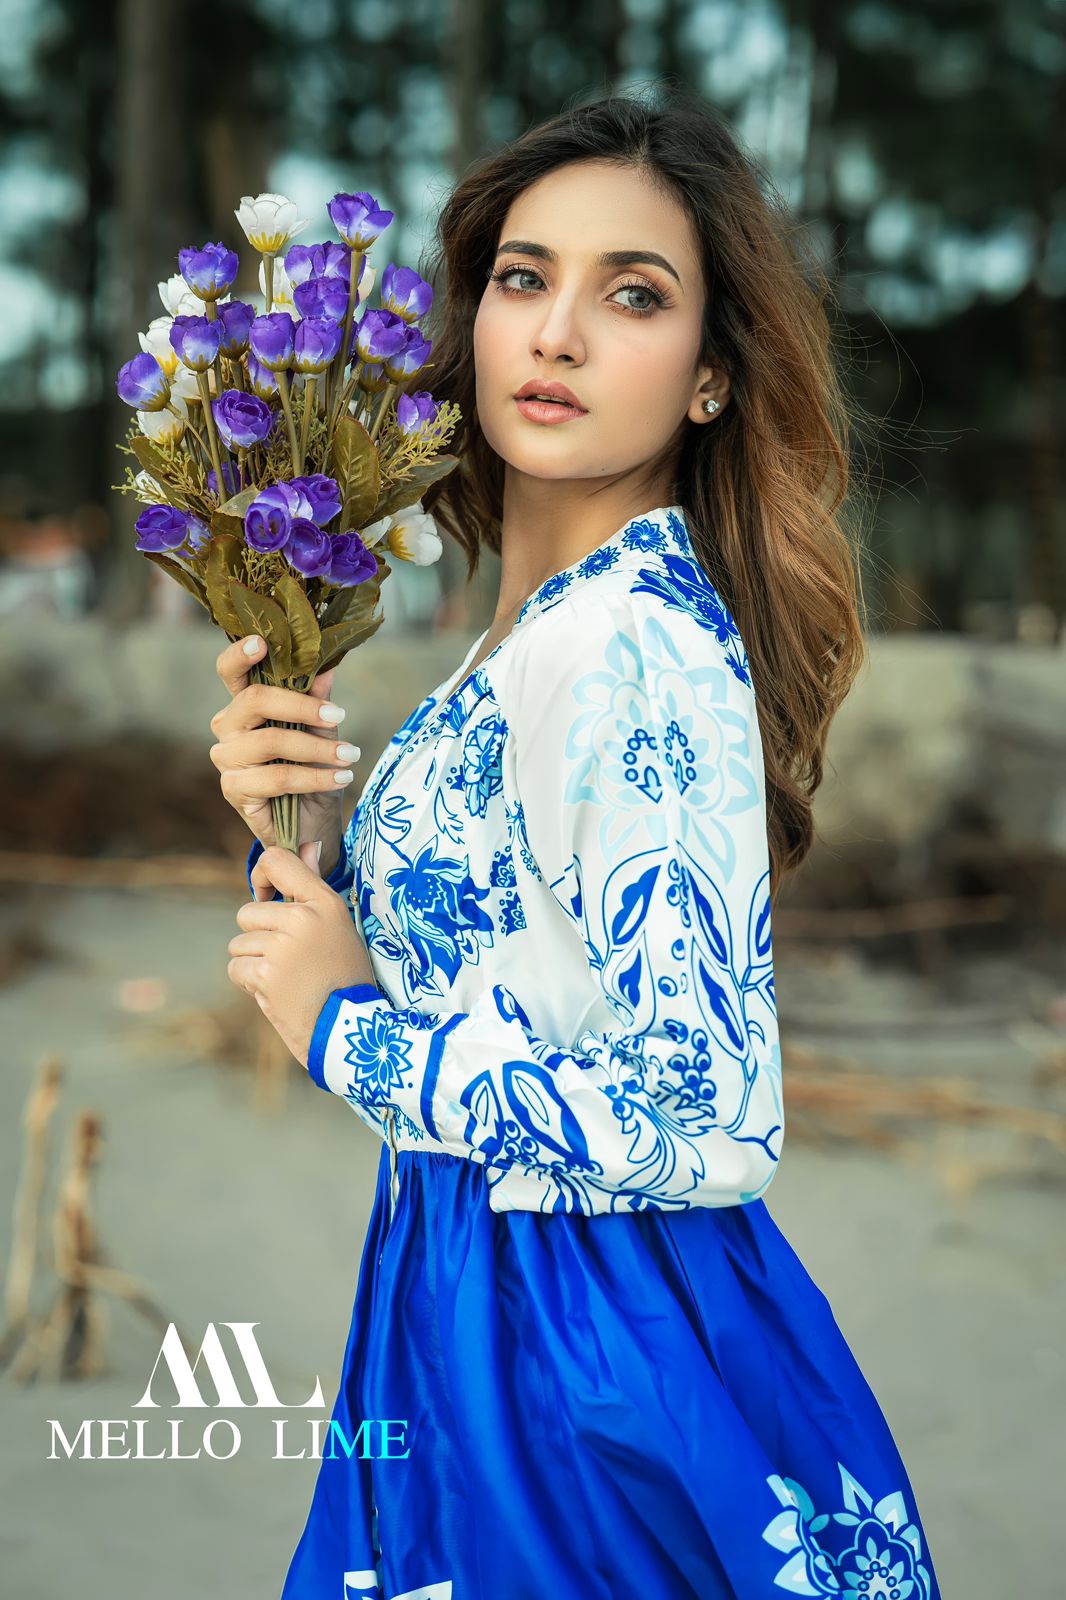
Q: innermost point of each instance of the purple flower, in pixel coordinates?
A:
(196, 340)
(322, 297)
(199, 535)
(410, 359)
(379, 334)
(330, 260)
(271, 514)
(323, 493)
(143, 383)
(236, 317)
(161, 528)
(405, 292)
(242, 419)
(291, 497)
(266, 525)
(308, 549)
(371, 374)
(232, 480)
(358, 218)
(262, 380)
(210, 271)
(317, 341)
(352, 563)
(415, 411)
(271, 338)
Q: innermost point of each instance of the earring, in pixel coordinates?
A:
(710, 406)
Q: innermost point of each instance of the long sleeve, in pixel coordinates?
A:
(633, 755)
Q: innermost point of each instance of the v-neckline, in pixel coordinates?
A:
(465, 668)
(642, 534)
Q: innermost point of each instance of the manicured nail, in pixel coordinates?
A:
(347, 752)
(251, 646)
(344, 777)
(331, 713)
(318, 849)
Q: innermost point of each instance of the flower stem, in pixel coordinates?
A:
(310, 383)
(340, 360)
(193, 429)
(286, 405)
(382, 408)
(268, 269)
(209, 421)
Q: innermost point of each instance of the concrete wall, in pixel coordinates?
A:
(934, 721)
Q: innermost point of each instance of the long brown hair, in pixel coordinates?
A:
(765, 487)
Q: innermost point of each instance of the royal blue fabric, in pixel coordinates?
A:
(647, 1404)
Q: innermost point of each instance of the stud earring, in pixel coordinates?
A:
(710, 406)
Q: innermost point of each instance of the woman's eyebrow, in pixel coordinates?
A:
(609, 258)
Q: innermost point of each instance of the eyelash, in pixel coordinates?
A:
(661, 300)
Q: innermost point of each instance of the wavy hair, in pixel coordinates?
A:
(765, 487)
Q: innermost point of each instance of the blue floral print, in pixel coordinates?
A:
(626, 1055)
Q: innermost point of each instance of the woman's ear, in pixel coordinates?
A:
(714, 385)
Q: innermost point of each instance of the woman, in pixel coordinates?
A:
(540, 965)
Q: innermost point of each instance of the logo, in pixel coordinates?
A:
(109, 1438)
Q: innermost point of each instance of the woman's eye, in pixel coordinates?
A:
(657, 300)
(640, 288)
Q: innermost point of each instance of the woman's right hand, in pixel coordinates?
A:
(310, 762)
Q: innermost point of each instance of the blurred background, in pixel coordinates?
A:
(150, 1122)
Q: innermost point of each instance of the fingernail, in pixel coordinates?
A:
(318, 849)
(347, 752)
(344, 777)
(331, 713)
(251, 646)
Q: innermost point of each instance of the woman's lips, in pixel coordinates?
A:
(548, 410)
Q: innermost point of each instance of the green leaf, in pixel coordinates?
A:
(151, 458)
(357, 471)
(338, 640)
(259, 614)
(303, 624)
(362, 618)
(238, 504)
(222, 522)
(225, 560)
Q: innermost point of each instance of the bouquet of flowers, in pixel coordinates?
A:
(284, 449)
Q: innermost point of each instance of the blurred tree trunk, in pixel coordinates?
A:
(149, 196)
(463, 605)
(1039, 333)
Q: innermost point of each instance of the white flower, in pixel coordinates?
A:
(375, 532)
(163, 427)
(149, 490)
(178, 299)
(157, 343)
(413, 536)
(269, 221)
(184, 385)
(366, 283)
(282, 289)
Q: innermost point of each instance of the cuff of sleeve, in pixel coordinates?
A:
(316, 1055)
(337, 880)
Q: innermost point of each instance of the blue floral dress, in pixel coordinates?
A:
(605, 1371)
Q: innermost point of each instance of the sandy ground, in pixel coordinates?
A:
(952, 1296)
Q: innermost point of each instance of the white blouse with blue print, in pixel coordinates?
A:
(561, 874)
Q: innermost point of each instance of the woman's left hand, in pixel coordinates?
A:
(292, 955)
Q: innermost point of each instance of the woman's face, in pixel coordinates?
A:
(623, 338)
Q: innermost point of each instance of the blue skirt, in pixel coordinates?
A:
(649, 1403)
